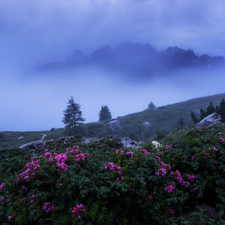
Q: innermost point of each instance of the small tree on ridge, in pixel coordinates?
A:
(104, 113)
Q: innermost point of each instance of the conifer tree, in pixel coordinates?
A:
(151, 105)
(104, 113)
(72, 115)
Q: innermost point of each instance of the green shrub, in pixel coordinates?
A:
(105, 184)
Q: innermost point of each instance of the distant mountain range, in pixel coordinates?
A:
(138, 59)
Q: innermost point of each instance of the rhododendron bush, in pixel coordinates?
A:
(82, 185)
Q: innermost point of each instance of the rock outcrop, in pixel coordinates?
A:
(113, 126)
(210, 120)
(20, 138)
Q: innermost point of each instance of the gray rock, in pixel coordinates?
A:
(210, 120)
(113, 126)
(5, 144)
(146, 125)
(20, 138)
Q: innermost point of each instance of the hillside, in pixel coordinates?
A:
(164, 119)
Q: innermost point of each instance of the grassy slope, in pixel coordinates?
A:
(163, 118)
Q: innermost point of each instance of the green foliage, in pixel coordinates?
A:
(151, 105)
(159, 135)
(180, 123)
(104, 113)
(73, 114)
(2, 135)
(131, 193)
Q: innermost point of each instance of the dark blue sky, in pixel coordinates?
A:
(38, 31)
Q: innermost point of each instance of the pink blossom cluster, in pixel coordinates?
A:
(3, 199)
(61, 158)
(131, 154)
(157, 158)
(161, 171)
(119, 150)
(164, 165)
(81, 156)
(159, 151)
(111, 166)
(193, 189)
(47, 207)
(190, 176)
(145, 152)
(170, 188)
(72, 150)
(33, 196)
(213, 148)
(23, 188)
(169, 146)
(28, 174)
(78, 209)
(2, 186)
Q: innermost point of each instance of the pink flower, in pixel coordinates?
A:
(193, 189)
(31, 201)
(46, 150)
(2, 185)
(119, 150)
(193, 158)
(221, 139)
(149, 196)
(157, 158)
(170, 188)
(171, 211)
(47, 207)
(131, 154)
(78, 209)
(53, 149)
(215, 149)
(51, 160)
(198, 196)
(190, 176)
(10, 217)
(168, 147)
(214, 162)
(60, 185)
(3, 199)
(48, 154)
(157, 173)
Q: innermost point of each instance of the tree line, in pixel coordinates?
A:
(210, 109)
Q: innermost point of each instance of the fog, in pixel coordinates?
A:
(49, 31)
(37, 103)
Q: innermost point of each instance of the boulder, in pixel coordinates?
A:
(146, 125)
(210, 120)
(20, 138)
(156, 144)
(4, 144)
(113, 126)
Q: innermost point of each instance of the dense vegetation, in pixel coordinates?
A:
(102, 183)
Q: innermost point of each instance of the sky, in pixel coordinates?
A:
(42, 31)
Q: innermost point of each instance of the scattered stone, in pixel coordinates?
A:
(210, 120)
(20, 138)
(4, 144)
(113, 126)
